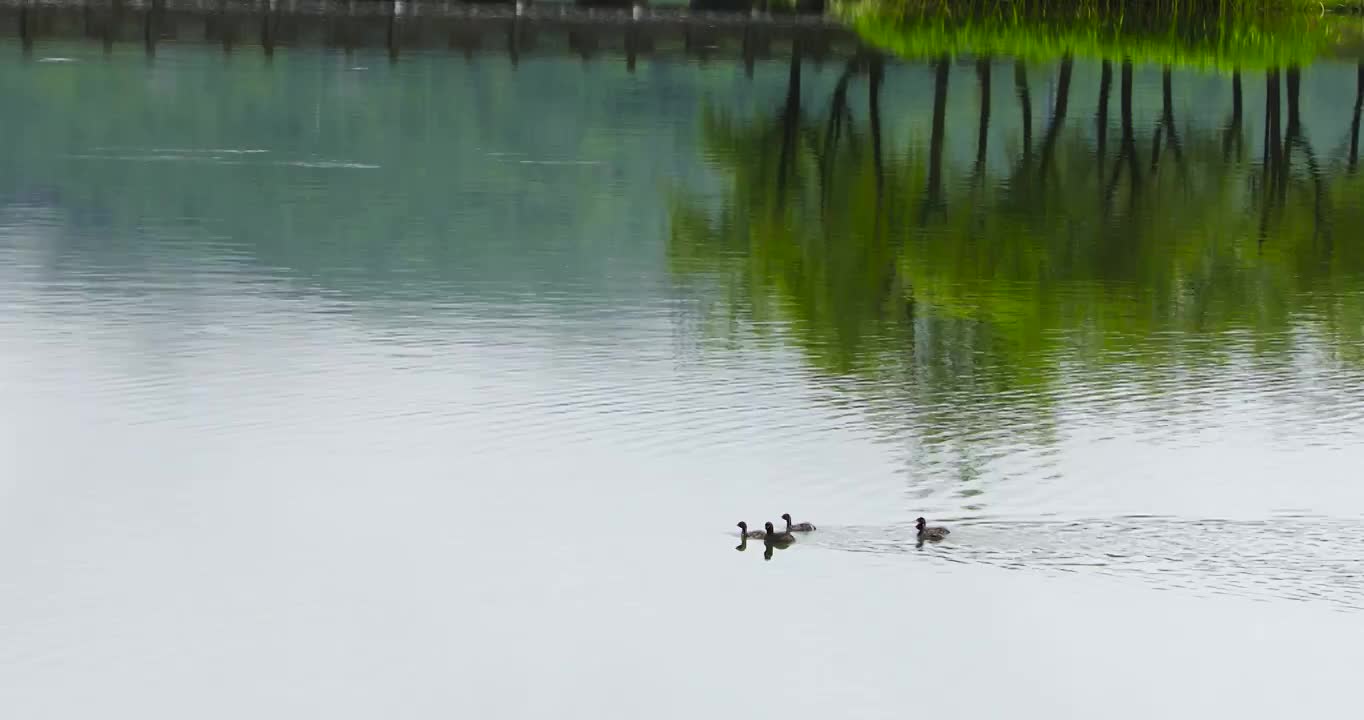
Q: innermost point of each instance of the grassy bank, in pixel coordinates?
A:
(1222, 35)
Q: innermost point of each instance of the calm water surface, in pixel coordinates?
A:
(335, 387)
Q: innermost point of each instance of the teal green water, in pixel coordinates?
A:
(331, 386)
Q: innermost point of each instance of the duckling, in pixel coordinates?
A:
(930, 533)
(779, 539)
(744, 532)
(798, 527)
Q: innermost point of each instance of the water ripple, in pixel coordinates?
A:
(1289, 557)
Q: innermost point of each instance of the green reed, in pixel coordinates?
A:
(1219, 34)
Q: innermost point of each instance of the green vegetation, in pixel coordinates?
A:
(1101, 241)
(1223, 35)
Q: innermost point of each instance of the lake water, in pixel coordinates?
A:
(335, 387)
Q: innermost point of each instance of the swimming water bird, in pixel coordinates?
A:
(798, 527)
(746, 533)
(930, 533)
(779, 539)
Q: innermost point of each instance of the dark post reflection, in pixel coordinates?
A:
(933, 200)
(1127, 145)
(877, 73)
(839, 114)
(1101, 116)
(267, 29)
(111, 20)
(790, 119)
(1025, 107)
(219, 24)
(1167, 134)
(1272, 178)
(1273, 135)
(392, 40)
(983, 72)
(1232, 136)
(1354, 124)
(1292, 88)
(1058, 115)
(150, 28)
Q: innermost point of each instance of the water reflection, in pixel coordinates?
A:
(989, 294)
(769, 546)
(981, 287)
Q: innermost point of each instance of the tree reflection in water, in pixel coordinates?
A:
(926, 282)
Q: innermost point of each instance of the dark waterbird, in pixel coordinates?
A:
(930, 533)
(778, 539)
(798, 527)
(744, 532)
